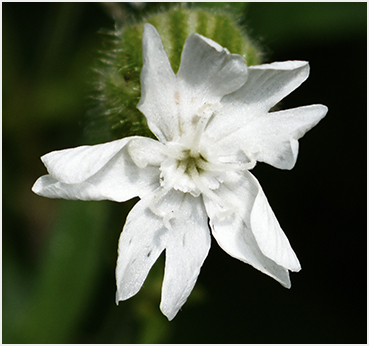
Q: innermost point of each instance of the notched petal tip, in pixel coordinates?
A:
(36, 188)
(121, 295)
(268, 234)
(75, 165)
(158, 87)
(117, 300)
(286, 285)
(210, 42)
(209, 71)
(322, 110)
(283, 65)
(297, 268)
(232, 62)
(168, 313)
(41, 186)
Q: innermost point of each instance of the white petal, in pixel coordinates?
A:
(75, 165)
(273, 137)
(280, 131)
(187, 247)
(210, 69)
(141, 242)
(158, 87)
(146, 151)
(47, 186)
(271, 239)
(268, 84)
(234, 233)
(207, 73)
(115, 177)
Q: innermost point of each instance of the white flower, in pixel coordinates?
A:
(213, 123)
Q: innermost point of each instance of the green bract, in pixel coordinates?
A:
(118, 87)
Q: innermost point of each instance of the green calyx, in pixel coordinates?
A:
(118, 88)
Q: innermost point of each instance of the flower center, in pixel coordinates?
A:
(191, 164)
(184, 170)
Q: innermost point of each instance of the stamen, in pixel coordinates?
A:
(204, 114)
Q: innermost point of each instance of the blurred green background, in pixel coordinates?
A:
(59, 256)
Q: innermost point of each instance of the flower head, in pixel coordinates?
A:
(213, 124)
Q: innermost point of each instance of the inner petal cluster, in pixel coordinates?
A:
(187, 170)
(192, 165)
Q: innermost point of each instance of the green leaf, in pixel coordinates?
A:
(66, 281)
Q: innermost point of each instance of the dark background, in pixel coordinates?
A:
(59, 256)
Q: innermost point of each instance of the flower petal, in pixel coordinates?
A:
(109, 171)
(188, 244)
(271, 239)
(268, 84)
(146, 151)
(76, 165)
(207, 73)
(234, 232)
(209, 69)
(273, 137)
(158, 87)
(141, 242)
(283, 129)
(47, 186)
